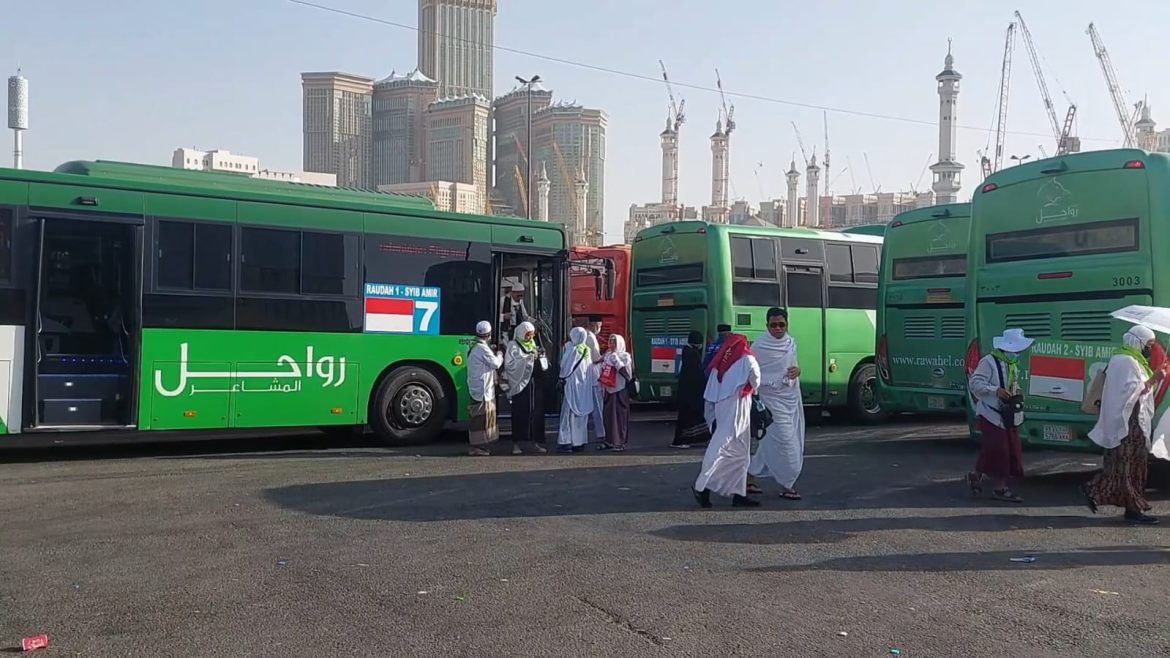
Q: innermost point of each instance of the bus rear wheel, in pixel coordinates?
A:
(410, 407)
(863, 400)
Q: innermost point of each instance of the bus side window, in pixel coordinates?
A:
(803, 286)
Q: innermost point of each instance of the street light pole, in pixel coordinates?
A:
(1020, 158)
(528, 146)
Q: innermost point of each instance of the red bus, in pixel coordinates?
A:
(600, 285)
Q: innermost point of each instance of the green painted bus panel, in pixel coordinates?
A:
(416, 228)
(1064, 300)
(69, 197)
(304, 217)
(663, 313)
(867, 229)
(526, 237)
(278, 379)
(13, 193)
(176, 206)
(921, 313)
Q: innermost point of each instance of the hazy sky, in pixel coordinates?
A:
(134, 79)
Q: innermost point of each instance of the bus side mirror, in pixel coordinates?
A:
(597, 285)
(610, 281)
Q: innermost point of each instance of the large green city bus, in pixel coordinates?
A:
(1056, 245)
(920, 318)
(695, 275)
(135, 297)
(867, 229)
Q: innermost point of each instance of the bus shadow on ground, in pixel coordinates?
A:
(1100, 556)
(598, 489)
(828, 531)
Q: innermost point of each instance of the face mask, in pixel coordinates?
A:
(1011, 356)
(1148, 351)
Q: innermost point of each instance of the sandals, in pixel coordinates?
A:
(1006, 495)
(1087, 492)
(791, 494)
(479, 452)
(753, 488)
(975, 482)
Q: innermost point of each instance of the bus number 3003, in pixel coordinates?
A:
(1119, 281)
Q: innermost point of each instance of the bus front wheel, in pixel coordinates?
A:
(410, 407)
(863, 400)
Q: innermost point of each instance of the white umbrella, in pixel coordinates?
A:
(1153, 317)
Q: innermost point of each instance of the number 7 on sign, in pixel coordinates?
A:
(428, 308)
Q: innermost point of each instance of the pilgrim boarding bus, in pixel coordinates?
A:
(693, 276)
(1056, 245)
(920, 316)
(135, 297)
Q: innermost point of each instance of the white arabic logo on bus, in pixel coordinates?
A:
(331, 370)
(1055, 203)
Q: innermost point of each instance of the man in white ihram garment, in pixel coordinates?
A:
(734, 375)
(780, 454)
(577, 376)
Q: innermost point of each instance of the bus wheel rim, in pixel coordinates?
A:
(415, 405)
(869, 401)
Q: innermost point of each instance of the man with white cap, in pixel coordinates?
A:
(482, 364)
(512, 310)
(999, 412)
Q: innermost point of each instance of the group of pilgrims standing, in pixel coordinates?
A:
(595, 387)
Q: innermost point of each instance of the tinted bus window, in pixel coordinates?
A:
(661, 276)
(194, 256)
(323, 264)
(764, 259)
(1082, 240)
(270, 260)
(741, 258)
(840, 263)
(865, 263)
(929, 267)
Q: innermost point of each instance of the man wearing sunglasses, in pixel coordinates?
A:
(780, 454)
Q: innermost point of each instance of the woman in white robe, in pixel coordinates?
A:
(577, 376)
(734, 375)
(1123, 428)
(780, 454)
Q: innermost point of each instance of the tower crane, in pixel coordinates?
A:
(1115, 94)
(828, 168)
(1063, 139)
(677, 111)
(728, 111)
(995, 162)
(800, 142)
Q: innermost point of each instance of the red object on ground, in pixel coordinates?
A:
(35, 642)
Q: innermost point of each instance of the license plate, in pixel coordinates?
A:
(935, 402)
(664, 391)
(1058, 433)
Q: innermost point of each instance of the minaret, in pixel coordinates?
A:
(792, 211)
(670, 169)
(812, 204)
(579, 235)
(719, 170)
(947, 170)
(542, 188)
(1144, 129)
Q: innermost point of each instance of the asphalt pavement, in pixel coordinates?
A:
(301, 546)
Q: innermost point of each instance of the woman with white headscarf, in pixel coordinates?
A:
(576, 376)
(524, 367)
(1123, 428)
(617, 370)
(482, 364)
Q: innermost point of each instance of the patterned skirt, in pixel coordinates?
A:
(1122, 482)
(483, 427)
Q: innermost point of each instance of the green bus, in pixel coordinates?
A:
(920, 318)
(1056, 245)
(135, 297)
(693, 276)
(867, 229)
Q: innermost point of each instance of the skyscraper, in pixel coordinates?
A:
(455, 39)
(337, 130)
(947, 171)
(457, 143)
(571, 139)
(510, 113)
(400, 105)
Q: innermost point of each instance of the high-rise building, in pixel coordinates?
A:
(947, 171)
(400, 105)
(653, 214)
(510, 114)
(457, 143)
(226, 162)
(337, 130)
(455, 39)
(571, 139)
(447, 196)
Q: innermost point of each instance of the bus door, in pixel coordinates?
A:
(86, 339)
(544, 301)
(804, 288)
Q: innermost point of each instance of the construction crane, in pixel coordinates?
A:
(677, 110)
(1049, 109)
(995, 162)
(1115, 94)
(800, 142)
(828, 168)
(869, 172)
(728, 110)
